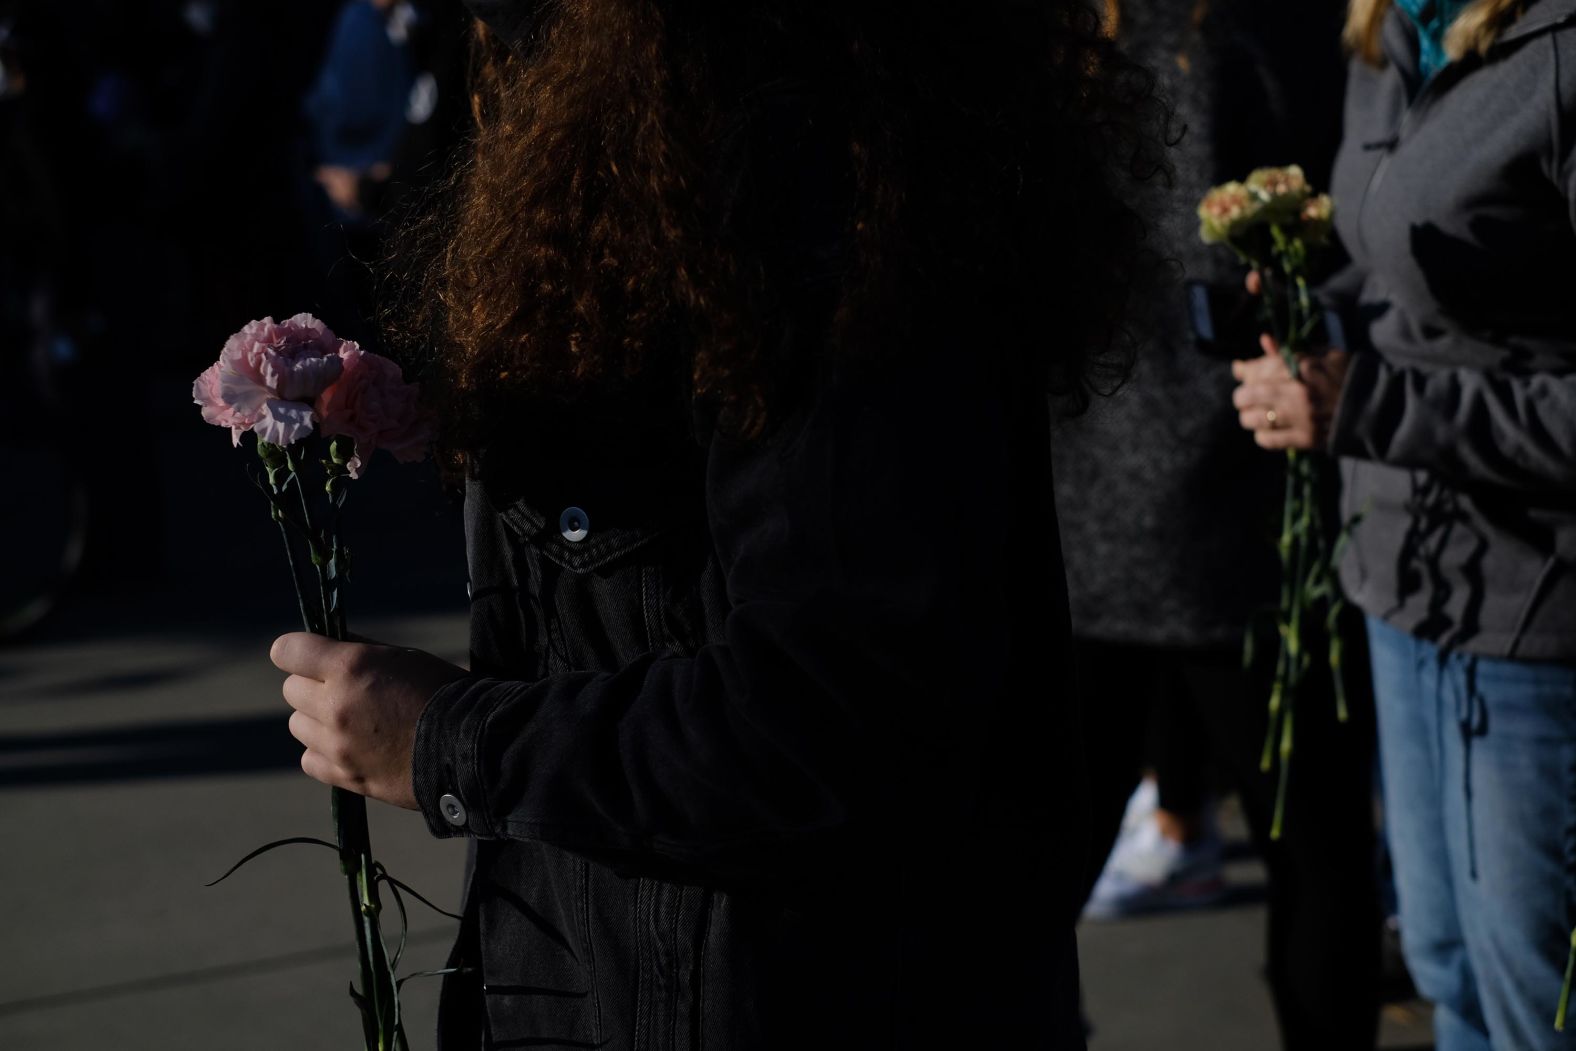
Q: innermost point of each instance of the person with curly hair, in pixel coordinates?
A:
(744, 321)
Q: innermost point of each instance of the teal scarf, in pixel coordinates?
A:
(1433, 19)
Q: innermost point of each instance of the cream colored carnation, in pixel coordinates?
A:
(1227, 211)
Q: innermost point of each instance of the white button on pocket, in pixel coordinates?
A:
(574, 525)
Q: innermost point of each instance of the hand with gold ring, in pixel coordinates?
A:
(1286, 413)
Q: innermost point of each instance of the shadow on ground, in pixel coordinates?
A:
(171, 749)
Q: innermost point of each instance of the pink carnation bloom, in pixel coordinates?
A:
(267, 376)
(372, 404)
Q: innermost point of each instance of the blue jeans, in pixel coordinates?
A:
(1479, 763)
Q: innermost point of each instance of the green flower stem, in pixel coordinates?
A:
(1280, 249)
(1282, 625)
(1305, 326)
(1565, 987)
(1301, 547)
(1338, 677)
(378, 998)
(319, 562)
(295, 579)
(1277, 691)
(279, 517)
(1294, 592)
(1277, 825)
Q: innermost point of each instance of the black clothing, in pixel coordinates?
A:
(1323, 935)
(1177, 747)
(1457, 202)
(1169, 510)
(763, 739)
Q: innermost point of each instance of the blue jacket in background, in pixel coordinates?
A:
(356, 107)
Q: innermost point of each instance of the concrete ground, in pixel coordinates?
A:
(143, 749)
(1193, 981)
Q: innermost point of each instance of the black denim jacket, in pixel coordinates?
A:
(768, 744)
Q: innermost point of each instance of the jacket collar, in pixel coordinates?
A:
(1400, 39)
(1543, 15)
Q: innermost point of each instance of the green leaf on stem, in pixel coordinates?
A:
(431, 974)
(265, 848)
(386, 878)
(404, 926)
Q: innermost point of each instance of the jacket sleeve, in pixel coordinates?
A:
(863, 554)
(1470, 426)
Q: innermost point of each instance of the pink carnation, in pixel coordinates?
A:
(267, 376)
(371, 403)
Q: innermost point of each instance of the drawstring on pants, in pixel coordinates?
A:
(1472, 719)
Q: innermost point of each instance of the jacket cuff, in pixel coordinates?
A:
(446, 759)
(1337, 298)
(1362, 372)
(1333, 332)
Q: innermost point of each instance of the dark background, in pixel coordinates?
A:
(160, 186)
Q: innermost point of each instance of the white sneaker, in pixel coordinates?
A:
(1147, 872)
(1141, 806)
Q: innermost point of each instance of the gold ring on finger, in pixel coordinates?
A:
(1271, 418)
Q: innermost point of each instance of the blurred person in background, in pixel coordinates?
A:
(385, 110)
(356, 108)
(1169, 516)
(1454, 412)
(746, 316)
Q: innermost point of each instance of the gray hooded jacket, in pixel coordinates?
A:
(1457, 426)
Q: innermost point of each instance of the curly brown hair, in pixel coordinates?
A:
(694, 197)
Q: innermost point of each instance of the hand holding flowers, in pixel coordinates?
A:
(356, 708)
(1283, 411)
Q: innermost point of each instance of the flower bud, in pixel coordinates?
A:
(341, 449)
(272, 455)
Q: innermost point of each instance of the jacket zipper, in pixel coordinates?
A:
(1390, 145)
(1408, 116)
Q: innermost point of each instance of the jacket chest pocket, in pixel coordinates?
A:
(596, 584)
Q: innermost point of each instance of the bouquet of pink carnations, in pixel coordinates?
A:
(319, 407)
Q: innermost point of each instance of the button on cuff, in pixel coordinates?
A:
(452, 809)
(444, 758)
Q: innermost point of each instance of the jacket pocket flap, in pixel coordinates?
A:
(598, 545)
